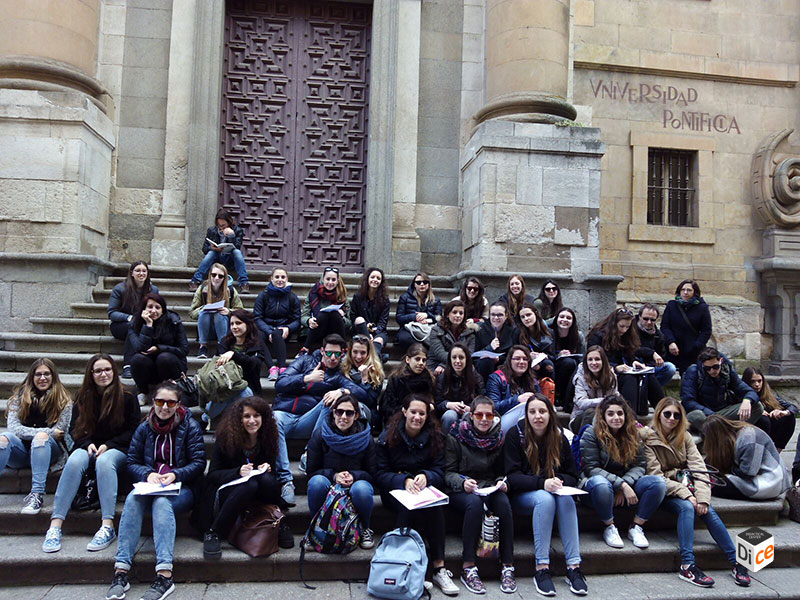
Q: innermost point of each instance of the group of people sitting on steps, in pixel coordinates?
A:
(471, 405)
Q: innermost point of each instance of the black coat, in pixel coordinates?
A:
(408, 459)
(370, 312)
(518, 469)
(277, 309)
(615, 357)
(441, 400)
(117, 438)
(323, 460)
(216, 236)
(675, 329)
(408, 307)
(397, 388)
(167, 333)
(652, 342)
(507, 336)
(250, 359)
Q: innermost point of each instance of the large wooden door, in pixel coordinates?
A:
(294, 130)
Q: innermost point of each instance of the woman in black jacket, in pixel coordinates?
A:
(410, 457)
(160, 344)
(277, 315)
(496, 334)
(452, 328)
(539, 462)
(474, 459)
(781, 415)
(341, 451)
(166, 448)
(686, 325)
(621, 344)
(514, 297)
(369, 310)
(417, 304)
(246, 439)
(456, 387)
(411, 377)
(569, 345)
(533, 333)
(104, 417)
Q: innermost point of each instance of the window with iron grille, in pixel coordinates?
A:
(671, 189)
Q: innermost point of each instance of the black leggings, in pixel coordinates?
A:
(471, 506)
(780, 430)
(428, 522)
(149, 369)
(277, 348)
(263, 488)
(327, 323)
(728, 491)
(565, 369)
(638, 396)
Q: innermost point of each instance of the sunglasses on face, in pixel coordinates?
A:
(421, 282)
(160, 402)
(333, 353)
(483, 416)
(217, 276)
(344, 412)
(668, 414)
(472, 288)
(550, 289)
(712, 367)
(648, 319)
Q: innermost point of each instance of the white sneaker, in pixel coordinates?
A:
(636, 535)
(442, 578)
(611, 537)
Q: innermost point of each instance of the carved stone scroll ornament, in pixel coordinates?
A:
(776, 180)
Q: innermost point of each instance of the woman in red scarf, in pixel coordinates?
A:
(325, 310)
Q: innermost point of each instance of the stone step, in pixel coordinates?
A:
(73, 564)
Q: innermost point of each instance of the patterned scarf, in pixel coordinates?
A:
(690, 302)
(466, 434)
(317, 293)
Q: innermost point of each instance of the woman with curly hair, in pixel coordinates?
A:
(37, 415)
(369, 310)
(781, 415)
(538, 462)
(410, 456)
(104, 417)
(473, 295)
(613, 471)
(362, 365)
(246, 439)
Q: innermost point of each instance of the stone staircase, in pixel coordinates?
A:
(71, 340)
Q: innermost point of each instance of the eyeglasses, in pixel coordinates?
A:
(519, 359)
(333, 353)
(668, 414)
(101, 371)
(648, 319)
(473, 288)
(361, 339)
(159, 402)
(498, 315)
(217, 276)
(483, 416)
(344, 412)
(47, 375)
(551, 289)
(421, 282)
(327, 269)
(712, 367)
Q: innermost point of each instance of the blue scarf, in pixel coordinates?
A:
(276, 291)
(349, 445)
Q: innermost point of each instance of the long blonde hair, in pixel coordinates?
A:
(677, 437)
(51, 403)
(623, 446)
(375, 374)
(211, 297)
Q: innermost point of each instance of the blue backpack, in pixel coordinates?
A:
(397, 569)
(575, 446)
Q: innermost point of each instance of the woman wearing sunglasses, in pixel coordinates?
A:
(218, 288)
(362, 366)
(317, 317)
(669, 451)
(369, 310)
(341, 451)
(246, 439)
(549, 301)
(474, 459)
(104, 417)
(473, 295)
(417, 304)
(621, 344)
(166, 448)
(159, 340)
(37, 415)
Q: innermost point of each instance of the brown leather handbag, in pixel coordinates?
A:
(256, 530)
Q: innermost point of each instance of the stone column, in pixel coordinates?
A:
(527, 61)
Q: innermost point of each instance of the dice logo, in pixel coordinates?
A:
(755, 549)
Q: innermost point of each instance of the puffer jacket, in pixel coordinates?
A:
(595, 460)
(324, 460)
(664, 460)
(370, 312)
(115, 309)
(408, 459)
(298, 397)
(440, 342)
(275, 307)
(485, 467)
(408, 307)
(189, 451)
(499, 391)
(168, 335)
(700, 391)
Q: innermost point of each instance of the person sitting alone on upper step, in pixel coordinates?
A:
(223, 244)
(305, 392)
(712, 386)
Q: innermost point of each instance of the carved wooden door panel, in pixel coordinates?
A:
(294, 130)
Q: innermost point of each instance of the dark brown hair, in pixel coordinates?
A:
(539, 330)
(719, 441)
(555, 307)
(112, 401)
(626, 344)
(469, 385)
(607, 379)
(473, 309)
(524, 383)
(232, 436)
(694, 285)
(551, 440)
(622, 446)
(766, 395)
(250, 336)
(572, 341)
(132, 295)
(397, 423)
(381, 294)
(445, 323)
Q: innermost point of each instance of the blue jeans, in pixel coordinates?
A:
(512, 417)
(295, 427)
(360, 492)
(448, 418)
(685, 512)
(664, 373)
(39, 457)
(544, 507)
(233, 261)
(650, 489)
(215, 409)
(106, 467)
(163, 509)
(211, 322)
